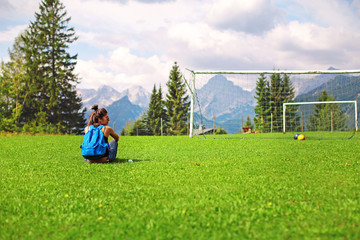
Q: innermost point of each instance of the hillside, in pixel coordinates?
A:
(342, 87)
(226, 101)
(307, 83)
(121, 111)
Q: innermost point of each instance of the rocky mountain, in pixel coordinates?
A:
(106, 95)
(137, 95)
(103, 96)
(226, 101)
(220, 97)
(122, 106)
(305, 84)
(342, 87)
(121, 111)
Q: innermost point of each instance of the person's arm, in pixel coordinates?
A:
(112, 133)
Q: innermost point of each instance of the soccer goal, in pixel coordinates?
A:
(325, 116)
(246, 102)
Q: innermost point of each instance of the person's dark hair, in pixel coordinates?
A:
(96, 115)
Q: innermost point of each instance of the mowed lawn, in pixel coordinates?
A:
(181, 188)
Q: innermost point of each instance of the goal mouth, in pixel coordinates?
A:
(252, 102)
(325, 119)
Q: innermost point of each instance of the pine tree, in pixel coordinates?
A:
(325, 115)
(12, 91)
(50, 69)
(156, 113)
(151, 112)
(262, 108)
(270, 97)
(276, 100)
(292, 119)
(177, 104)
(248, 122)
(139, 128)
(128, 127)
(315, 117)
(162, 117)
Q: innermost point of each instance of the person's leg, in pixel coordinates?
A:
(113, 150)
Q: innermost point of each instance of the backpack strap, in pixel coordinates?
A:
(88, 128)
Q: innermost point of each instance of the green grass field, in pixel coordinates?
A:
(181, 188)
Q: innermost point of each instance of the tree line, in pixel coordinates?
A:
(326, 117)
(270, 96)
(167, 116)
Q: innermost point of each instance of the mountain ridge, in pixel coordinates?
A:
(105, 95)
(121, 111)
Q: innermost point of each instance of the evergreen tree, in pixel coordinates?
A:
(161, 114)
(50, 69)
(139, 128)
(156, 111)
(220, 130)
(177, 104)
(292, 119)
(262, 96)
(270, 97)
(128, 128)
(326, 117)
(276, 100)
(151, 113)
(12, 92)
(248, 123)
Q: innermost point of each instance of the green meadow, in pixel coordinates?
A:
(181, 188)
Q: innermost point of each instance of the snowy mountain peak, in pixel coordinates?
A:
(137, 95)
(106, 95)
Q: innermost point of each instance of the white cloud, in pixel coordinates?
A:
(11, 33)
(104, 41)
(356, 5)
(122, 69)
(18, 9)
(332, 13)
(288, 46)
(5, 6)
(132, 17)
(128, 42)
(254, 17)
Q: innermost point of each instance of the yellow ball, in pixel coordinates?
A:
(301, 137)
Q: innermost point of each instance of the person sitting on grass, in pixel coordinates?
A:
(100, 117)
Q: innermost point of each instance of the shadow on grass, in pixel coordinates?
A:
(123, 160)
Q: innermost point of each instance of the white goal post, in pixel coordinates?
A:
(324, 102)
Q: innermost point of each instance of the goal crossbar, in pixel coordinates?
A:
(277, 71)
(323, 102)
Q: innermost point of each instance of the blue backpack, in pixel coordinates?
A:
(94, 145)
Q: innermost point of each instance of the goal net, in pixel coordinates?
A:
(250, 102)
(336, 118)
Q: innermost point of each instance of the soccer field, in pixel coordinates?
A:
(181, 188)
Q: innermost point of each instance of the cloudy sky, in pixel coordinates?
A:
(135, 42)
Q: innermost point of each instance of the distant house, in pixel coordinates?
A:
(202, 130)
(246, 130)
